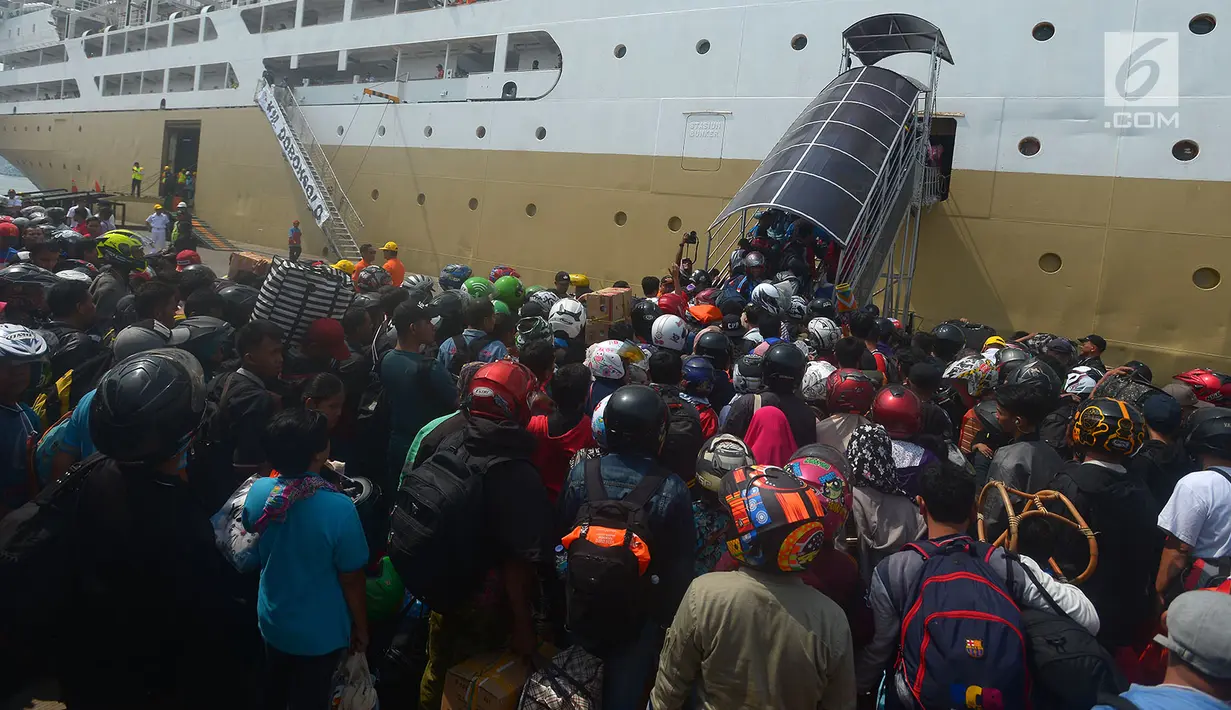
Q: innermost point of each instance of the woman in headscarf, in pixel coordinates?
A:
(885, 516)
(769, 436)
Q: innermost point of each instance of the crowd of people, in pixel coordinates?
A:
(746, 493)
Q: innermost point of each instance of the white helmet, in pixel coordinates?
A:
(567, 316)
(546, 299)
(20, 345)
(797, 309)
(1080, 381)
(609, 358)
(670, 332)
(806, 348)
(419, 283)
(824, 333)
(766, 297)
(815, 377)
(74, 275)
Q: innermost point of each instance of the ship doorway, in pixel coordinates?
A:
(181, 144)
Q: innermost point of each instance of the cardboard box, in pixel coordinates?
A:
(597, 331)
(491, 681)
(250, 262)
(610, 304)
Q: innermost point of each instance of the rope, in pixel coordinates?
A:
(369, 148)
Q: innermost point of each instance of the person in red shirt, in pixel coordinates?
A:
(90, 228)
(566, 430)
(696, 386)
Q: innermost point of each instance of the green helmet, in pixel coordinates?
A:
(502, 307)
(477, 287)
(510, 291)
(531, 329)
(531, 290)
(385, 592)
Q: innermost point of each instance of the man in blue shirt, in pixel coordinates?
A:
(20, 349)
(476, 343)
(65, 443)
(313, 551)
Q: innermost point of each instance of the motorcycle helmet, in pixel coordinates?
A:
(749, 375)
(1141, 371)
(27, 285)
(823, 308)
(975, 372)
(544, 298)
(421, 286)
(828, 480)
(784, 367)
(824, 333)
(196, 276)
(146, 335)
(670, 332)
(450, 306)
(1038, 373)
(500, 272)
(636, 420)
(501, 307)
(609, 358)
(598, 423)
(816, 376)
(531, 329)
(849, 391)
(56, 215)
(1108, 424)
(673, 304)
(949, 341)
(698, 376)
(568, 317)
(74, 275)
(1080, 381)
(371, 278)
(701, 279)
(777, 520)
(1209, 432)
(20, 346)
(707, 297)
(206, 336)
(501, 391)
(1009, 359)
(238, 301)
(797, 310)
(719, 456)
(80, 265)
(714, 346)
(1208, 386)
(899, 411)
(122, 249)
(453, 276)
(645, 312)
(508, 289)
(806, 348)
(765, 297)
(148, 407)
(754, 260)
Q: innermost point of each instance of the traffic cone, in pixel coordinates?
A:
(74, 185)
(96, 187)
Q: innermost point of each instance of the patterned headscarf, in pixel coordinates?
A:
(285, 493)
(871, 456)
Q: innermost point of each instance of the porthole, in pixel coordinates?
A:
(427, 131)
(621, 219)
(1202, 24)
(78, 168)
(375, 195)
(674, 224)
(798, 42)
(26, 128)
(474, 203)
(1029, 146)
(540, 133)
(38, 129)
(421, 198)
(341, 130)
(63, 166)
(1043, 31)
(703, 46)
(620, 51)
(480, 132)
(532, 209)
(1050, 263)
(79, 129)
(1185, 150)
(380, 130)
(1206, 279)
(49, 129)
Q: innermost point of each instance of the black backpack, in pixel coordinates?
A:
(464, 352)
(606, 586)
(684, 435)
(35, 553)
(1070, 668)
(436, 539)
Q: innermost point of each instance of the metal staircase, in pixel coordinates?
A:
(342, 214)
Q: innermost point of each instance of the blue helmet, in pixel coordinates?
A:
(698, 375)
(453, 275)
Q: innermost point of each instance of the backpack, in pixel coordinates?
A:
(606, 585)
(35, 553)
(57, 399)
(1071, 669)
(963, 643)
(465, 352)
(436, 537)
(684, 437)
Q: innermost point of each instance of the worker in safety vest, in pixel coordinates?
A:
(138, 174)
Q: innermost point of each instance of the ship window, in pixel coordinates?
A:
(427, 131)
(375, 195)
(341, 130)
(674, 224)
(480, 132)
(532, 209)
(620, 51)
(703, 46)
(1029, 146)
(1206, 279)
(798, 42)
(1202, 24)
(1185, 150)
(474, 203)
(1050, 263)
(540, 133)
(621, 219)
(1043, 31)
(421, 198)
(380, 130)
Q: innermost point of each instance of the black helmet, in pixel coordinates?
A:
(645, 312)
(195, 276)
(21, 223)
(949, 341)
(206, 336)
(822, 308)
(56, 215)
(367, 301)
(1114, 426)
(1009, 359)
(238, 301)
(701, 279)
(27, 275)
(1038, 373)
(784, 367)
(148, 407)
(1141, 371)
(636, 420)
(449, 304)
(714, 346)
(1209, 432)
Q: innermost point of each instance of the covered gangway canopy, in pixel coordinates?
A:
(874, 38)
(825, 166)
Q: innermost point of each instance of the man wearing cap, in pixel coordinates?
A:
(1161, 462)
(187, 257)
(294, 241)
(1062, 350)
(159, 223)
(323, 344)
(396, 269)
(1199, 663)
(562, 283)
(1187, 398)
(1092, 348)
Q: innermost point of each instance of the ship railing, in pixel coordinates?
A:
(293, 113)
(935, 185)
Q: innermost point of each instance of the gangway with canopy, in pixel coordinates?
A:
(852, 164)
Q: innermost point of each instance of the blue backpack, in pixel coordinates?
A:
(963, 644)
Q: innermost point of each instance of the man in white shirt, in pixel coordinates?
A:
(1197, 518)
(160, 224)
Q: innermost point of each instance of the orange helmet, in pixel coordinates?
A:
(705, 314)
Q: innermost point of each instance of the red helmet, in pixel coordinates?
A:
(707, 296)
(501, 390)
(673, 303)
(10, 230)
(1208, 386)
(849, 391)
(899, 411)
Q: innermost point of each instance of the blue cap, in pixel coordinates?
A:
(1162, 413)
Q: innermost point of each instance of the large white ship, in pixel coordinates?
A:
(590, 136)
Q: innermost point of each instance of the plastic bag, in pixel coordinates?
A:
(573, 680)
(353, 685)
(236, 544)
